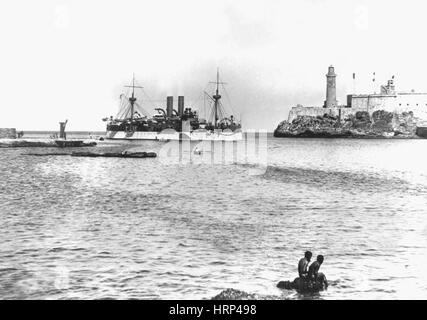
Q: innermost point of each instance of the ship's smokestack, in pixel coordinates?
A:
(331, 90)
(169, 106)
(180, 106)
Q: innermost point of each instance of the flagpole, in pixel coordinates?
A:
(354, 83)
(373, 82)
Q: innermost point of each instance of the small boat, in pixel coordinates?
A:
(197, 151)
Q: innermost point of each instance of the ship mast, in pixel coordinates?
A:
(132, 99)
(217, 97)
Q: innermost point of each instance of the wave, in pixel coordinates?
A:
(340, 180)
(233, 294)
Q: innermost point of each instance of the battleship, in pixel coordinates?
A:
(133, 122)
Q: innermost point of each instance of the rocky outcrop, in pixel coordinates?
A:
(305, 286)
(232, 294)
(47, 154)
(124, 154)
(381, 124)
(301, 286)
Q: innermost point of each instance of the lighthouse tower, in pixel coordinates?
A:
(331, 91)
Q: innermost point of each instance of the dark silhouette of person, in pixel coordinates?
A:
(62, 133)
(303, 265)
(315, 275)
(313, 270)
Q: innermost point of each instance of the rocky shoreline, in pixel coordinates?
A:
(380, 125)
(124, 154)
(233, 294)
(42, 143)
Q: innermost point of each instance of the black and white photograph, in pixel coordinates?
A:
(213, 150)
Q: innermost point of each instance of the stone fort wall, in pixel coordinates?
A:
(7, 133)
(417, 103)
(392, 103)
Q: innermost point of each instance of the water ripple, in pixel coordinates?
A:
(75, 228)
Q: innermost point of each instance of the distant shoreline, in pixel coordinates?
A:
(319, 136)
(56, 131)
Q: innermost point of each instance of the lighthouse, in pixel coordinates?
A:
(331, 91)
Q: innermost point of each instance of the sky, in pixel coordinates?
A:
(70, 59)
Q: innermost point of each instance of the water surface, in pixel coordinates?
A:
(95, 228)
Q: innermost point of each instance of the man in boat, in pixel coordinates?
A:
(314, 274)
(303, 265)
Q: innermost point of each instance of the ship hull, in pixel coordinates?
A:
(165, 136)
